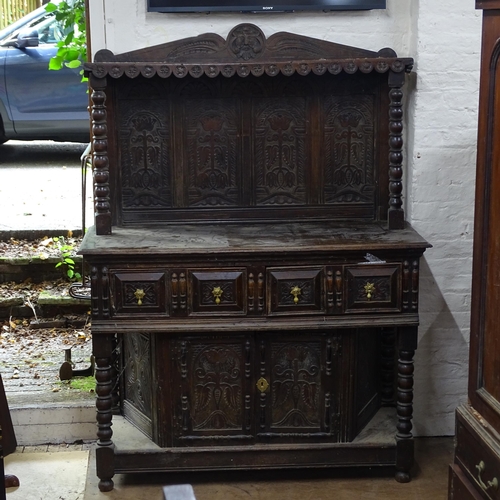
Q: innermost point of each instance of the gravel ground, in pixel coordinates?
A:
(30, 357)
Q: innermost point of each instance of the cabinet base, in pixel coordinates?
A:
(375, 446)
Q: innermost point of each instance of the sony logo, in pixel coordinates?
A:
(267, 8)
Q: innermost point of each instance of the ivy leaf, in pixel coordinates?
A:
(55, 63)
(50, 7)
(73, 64)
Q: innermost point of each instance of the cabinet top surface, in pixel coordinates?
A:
(251, 238)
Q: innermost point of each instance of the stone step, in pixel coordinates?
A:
(35, 268)
(53, 422)
(48, 305)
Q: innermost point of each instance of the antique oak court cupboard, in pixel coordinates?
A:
(475, 473)
(254, 282)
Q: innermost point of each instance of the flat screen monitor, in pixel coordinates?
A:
(261, 5)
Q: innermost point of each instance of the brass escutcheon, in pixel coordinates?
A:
(139, 295)
(295, 291)
(369, 290)
(217, 293)
(262, 384)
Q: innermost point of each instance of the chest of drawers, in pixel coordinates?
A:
(254, 284)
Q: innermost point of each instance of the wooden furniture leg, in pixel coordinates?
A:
(103, 347)
(407, 340)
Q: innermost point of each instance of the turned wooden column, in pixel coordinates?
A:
(103, 350)
(407, 343)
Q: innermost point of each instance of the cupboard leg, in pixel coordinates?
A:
(104, 403)
(404, 406)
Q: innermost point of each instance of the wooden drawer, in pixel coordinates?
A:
(374, 287)
(295, 290)
(215, 292)
(139, 292)
(478, 456)
(460, 488)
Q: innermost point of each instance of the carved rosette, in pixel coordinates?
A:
(379, 290)
(147, 297)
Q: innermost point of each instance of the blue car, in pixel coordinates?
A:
(37, 103)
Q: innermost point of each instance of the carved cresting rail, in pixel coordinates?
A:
(245, 52)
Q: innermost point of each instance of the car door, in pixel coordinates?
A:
(44, 103)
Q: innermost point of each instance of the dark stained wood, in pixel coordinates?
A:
(487, 4)
(478, 424)
(251, 266)
(192, 142)
(8, 443)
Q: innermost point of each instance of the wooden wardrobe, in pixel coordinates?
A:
(475, 472)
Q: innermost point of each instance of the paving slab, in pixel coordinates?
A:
(40, 186)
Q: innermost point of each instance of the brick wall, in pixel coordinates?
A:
(444, 38)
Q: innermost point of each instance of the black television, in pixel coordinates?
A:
(261, 5)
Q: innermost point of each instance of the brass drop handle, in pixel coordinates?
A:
(262, 384)
(369, 290)
(217, 293)
(493, 484)
(295, 291)
(139, 295)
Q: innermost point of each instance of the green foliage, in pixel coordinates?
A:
(84, 384)
(72, 51)
(66, 262)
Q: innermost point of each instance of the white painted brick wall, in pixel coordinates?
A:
(444, 38)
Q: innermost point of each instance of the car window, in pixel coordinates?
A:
(50, 31)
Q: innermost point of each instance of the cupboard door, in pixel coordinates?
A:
(484, 373)
(298, 387)
(211, 389)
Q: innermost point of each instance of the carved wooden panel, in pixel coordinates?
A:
(280, 151)
(137, 380)
(213, 395)
(144, 146)
(349, 149)
(295, 385)
(212, 152)
(297, 398)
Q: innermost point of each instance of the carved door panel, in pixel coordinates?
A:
(212, 390)
(137, 381)
(298, 387)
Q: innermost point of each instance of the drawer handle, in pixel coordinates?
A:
(490, 484)
(262, 384)
(217, 293)
(369, 290)
(295, 291)
(139, 295)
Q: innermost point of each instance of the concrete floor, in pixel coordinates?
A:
(70, 475)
